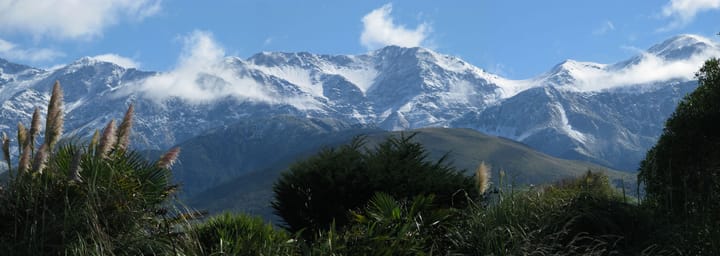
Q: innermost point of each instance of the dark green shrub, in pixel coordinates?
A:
(390, 227)
(240, 234)
(319, 191)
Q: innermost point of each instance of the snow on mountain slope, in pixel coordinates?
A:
(610, 114)
(607, 113)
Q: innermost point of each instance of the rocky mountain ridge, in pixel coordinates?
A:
(606, 113)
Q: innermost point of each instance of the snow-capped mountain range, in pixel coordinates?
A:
(606, 113)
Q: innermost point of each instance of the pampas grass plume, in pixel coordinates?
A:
(482, 177)
(6, 149)
(107, 140)
(123, 134)
(24, 159)
(22, 136)
(54, 122)
(169, 158)
(40, 158)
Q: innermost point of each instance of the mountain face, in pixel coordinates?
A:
(272, 143)
(607, 113)
(613, 128)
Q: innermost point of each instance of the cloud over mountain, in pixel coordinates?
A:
(379, 29)
(202, 74)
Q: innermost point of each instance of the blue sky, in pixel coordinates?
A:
(516, 39)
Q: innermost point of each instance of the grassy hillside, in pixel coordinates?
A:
(523, 165)
(252, 191)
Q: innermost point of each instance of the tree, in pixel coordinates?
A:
(681, 173)
(318, 192)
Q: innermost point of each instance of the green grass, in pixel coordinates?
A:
(523, 165)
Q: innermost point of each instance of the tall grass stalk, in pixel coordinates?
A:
(482, 178)
(123, 133)
(54, 121)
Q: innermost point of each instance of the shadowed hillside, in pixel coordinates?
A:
(254, 168)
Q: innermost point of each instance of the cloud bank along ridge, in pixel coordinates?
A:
(204, 74)
(648, 69)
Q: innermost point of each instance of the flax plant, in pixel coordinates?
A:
(74, 171)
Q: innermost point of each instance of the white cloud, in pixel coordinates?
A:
(73, 19)
(380, 30)
(117, 59)
(202, 74)
(683, 11)
(605, 28)
(649, 69)
(12, 51)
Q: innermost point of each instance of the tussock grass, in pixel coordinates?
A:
(582, 216)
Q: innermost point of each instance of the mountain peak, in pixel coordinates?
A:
(88, 61)
(400, 50)
(10, 67)
(570, 64)
(682, 47)
(96, 62)
(272, 59)
(568, 72)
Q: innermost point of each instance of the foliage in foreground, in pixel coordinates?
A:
(318, 192)
(84, 199)
(102, 199)
(387, 226)
(239, 234)
(582, 216)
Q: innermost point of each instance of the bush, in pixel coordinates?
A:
(390, 227)
(581, 216)
(239, 234)
(319, 191)
(79, 199)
